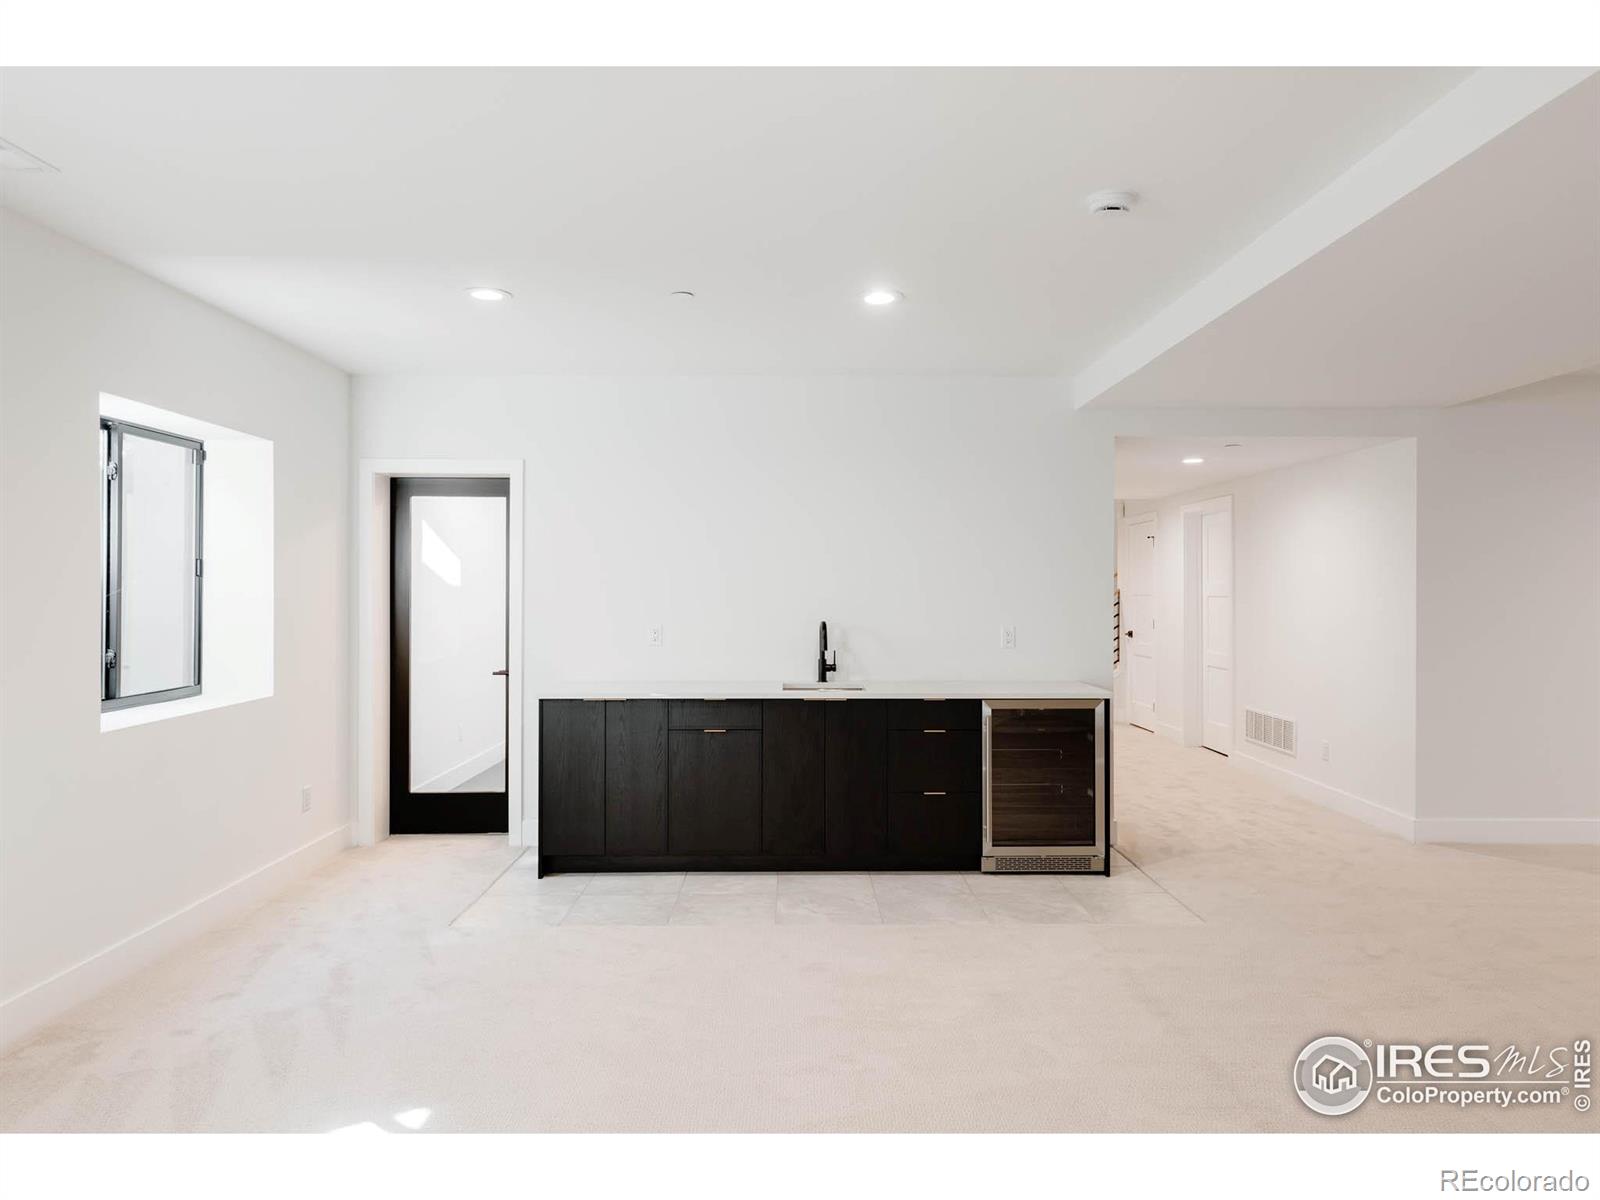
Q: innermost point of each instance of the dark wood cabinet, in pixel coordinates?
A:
(856, 777)
(812, 784)
(938, 760)
(944, 827)
(572, 777)
(636, 777)
(935, 714)
(716, 714)
(714, 795)
(792, 776)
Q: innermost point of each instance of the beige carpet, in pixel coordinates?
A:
(434, 983)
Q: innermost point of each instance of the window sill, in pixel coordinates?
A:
(146, 714)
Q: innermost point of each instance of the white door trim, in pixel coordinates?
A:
(1191, 516)
(1132, 647)
(370, 718)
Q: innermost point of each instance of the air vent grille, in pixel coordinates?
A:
(1041, 862)
(1273, 732)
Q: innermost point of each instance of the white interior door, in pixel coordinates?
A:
(1139, 620)
(1216, 631)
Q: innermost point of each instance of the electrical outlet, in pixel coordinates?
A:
(1008, 637)
(305, 799)
(1324, 751)
(656, 635)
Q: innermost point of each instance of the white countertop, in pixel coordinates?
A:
(745, 689)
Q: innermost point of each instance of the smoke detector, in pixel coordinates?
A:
(1110, 202)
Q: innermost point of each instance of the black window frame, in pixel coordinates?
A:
(111, 698)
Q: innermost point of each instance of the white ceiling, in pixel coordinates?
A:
(1149, 468)
(1483, 278)
(346, 209)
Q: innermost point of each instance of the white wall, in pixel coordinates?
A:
(112, 844)
(1325, 623)
(917, 516)
(1508, 593)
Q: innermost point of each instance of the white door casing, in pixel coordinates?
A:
(1216, 630)
(1139, 619)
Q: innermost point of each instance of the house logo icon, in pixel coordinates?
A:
(1332, 1076)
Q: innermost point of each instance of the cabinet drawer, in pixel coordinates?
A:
(714, 793)
(935, 827)
(935, 714)
(947, 760)
(715, 714)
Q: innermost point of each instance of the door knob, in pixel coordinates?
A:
(501, 671)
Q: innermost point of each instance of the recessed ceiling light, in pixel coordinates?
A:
(1111, 201)
(1191, 462)
(1231, 445)
(486, 293)
(680, 295)
(878, 297)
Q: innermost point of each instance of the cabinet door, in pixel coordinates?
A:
(856, 779)
(936, 827)
(636, 777)
(944, 760)
(572, 774)
(715, 792)
(791, 771)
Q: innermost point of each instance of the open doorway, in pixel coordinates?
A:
(450, 662)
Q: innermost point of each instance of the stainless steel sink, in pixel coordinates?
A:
(824, 687)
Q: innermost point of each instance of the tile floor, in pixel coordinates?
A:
(518, 898)
(436, 979)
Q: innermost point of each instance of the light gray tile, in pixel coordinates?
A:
(1136, 908)
(731, 883)
(1018, 884)
(907, 906)
(638, 908)
(522, 882)
(856, 884)
(726, 908)
(635, 883)
(1035, 908)
(510, 912)
(1121, 881)
(920, 883)
(821, 906)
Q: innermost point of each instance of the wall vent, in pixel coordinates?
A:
(1273, 732)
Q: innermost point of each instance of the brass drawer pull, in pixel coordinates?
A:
(713, 731)
(933, 793)
(933, 731)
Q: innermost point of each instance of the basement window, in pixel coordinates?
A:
(151, 566)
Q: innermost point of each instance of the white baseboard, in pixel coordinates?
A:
(476, 764)
(1348, 803)
(33, 1007)
(530, 834)
(1510, 831)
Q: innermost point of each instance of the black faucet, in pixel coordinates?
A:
(823, 665)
